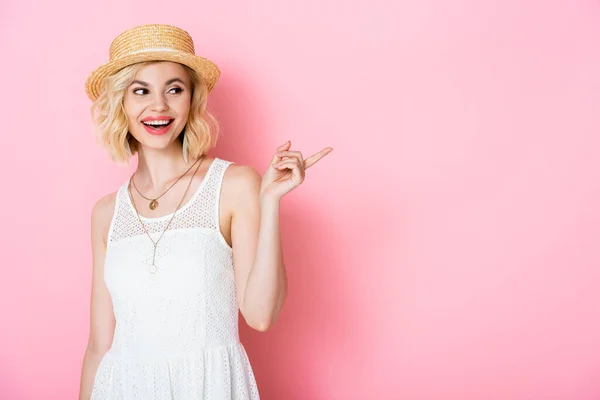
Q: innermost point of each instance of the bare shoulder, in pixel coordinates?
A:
(241, 180)
(239, 183)
(104, 207)
(102, 213)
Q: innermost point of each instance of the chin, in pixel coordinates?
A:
(156, 143)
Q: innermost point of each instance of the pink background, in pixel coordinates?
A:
(447, 248)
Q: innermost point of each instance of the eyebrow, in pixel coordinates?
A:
(170, 81)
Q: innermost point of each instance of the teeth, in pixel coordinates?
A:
(157, 123)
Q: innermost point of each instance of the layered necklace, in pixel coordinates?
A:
(154, 202)
(152, 267)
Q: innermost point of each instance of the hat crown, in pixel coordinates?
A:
(153, 37)
(148, 43)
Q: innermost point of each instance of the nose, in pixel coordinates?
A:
(159, 102)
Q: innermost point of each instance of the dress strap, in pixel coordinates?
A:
(113, 220)
(216, 189)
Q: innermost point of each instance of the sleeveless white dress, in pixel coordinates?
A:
(176, 334)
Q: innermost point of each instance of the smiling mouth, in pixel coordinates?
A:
(157, 125)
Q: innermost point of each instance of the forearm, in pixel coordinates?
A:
(266, 286)
(91, 360)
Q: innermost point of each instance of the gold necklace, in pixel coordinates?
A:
(152, 267)
(154, 202)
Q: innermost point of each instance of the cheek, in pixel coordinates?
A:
(132, 108)
(182, 108)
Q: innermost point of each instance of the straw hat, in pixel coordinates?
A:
(152, 42)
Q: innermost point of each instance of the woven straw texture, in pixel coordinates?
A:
(152, 42)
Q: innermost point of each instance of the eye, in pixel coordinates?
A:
(177, 89)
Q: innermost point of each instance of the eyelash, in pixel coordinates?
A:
(178, 88)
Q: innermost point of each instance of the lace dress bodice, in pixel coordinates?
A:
(176, 334)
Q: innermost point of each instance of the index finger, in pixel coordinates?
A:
(310, 161)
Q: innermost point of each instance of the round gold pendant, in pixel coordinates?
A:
(153, 269)
(153, 204)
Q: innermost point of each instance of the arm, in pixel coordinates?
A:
(102, 320)
(260, 273)
(261, 283)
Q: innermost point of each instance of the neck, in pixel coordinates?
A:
(158, 168)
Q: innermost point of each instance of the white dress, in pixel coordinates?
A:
(176, 334)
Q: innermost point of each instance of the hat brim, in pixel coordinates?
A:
(204, 67)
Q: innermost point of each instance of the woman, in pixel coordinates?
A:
(187, 241)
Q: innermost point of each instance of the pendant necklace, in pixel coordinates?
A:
(152, 267)
(154, 202)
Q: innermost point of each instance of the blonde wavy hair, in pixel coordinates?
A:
(111, 124)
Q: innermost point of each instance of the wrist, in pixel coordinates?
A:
(269, 199)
